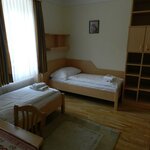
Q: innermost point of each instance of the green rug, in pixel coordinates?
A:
(71, 133)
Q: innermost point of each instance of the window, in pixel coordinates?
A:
(21, 36)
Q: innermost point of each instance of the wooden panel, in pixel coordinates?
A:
(85, 65)
(136, 39)
(50, 41)
(54, 104)
(147, 40)
(88, 66)
(62, 40)
(53, 65)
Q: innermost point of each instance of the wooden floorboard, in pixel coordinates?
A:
(134, 124)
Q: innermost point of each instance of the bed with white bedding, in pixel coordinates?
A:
(71, 79)
(26, 92)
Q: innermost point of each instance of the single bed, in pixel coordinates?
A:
(22, 93)
(71, 79)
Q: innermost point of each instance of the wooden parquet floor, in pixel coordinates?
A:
(134, 124)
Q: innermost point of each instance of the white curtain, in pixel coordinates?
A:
(21, 36)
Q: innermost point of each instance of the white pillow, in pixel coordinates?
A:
(65, 72)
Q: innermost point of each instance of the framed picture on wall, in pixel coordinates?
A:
(93, 26)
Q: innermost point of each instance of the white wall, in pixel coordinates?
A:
(107, 50)
(53, 17)
(53, 22)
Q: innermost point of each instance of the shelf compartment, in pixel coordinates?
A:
(57, 41)
(134, 70)
(131, 82)
(144, 97)
(139, 19)
(146, 59)
(134, 58)
(130, 95)
(141, 5)
(145, 72)
(145, 84)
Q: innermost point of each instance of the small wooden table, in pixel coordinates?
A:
(19, 135)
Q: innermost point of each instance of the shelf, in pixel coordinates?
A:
(132, 64)
(130, 95)
(60, 48)
(131, 88)
(144, 96)
(145, 72)
(132, 70)
(144, 90)
(145, 65)
(139, 19)
(140, 12)
(132, 74)
(134, 58)
(146, 78)
(57, 41)
(137, 75)
(131, 82)
(145, 84)
(141, 5)
(146, 59)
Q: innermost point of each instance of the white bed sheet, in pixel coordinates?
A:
(93, 81)
(23, 96)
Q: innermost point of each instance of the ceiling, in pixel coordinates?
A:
(74, 2)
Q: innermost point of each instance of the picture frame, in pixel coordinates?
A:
(93, 26)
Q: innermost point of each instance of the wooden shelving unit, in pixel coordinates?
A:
(141, 12)
(137, 75)
(57, 41)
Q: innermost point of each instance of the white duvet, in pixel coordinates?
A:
(22, 96)
(94, 81)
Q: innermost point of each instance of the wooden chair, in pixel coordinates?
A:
(29, 118)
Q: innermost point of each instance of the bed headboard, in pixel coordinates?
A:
(53, 65)
(86, 66)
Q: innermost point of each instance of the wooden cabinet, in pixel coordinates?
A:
(136, 39)
(137, 73)
(57, 41)
(139, 39)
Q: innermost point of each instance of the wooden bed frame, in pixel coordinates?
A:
(86, 67)
(53, 105)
